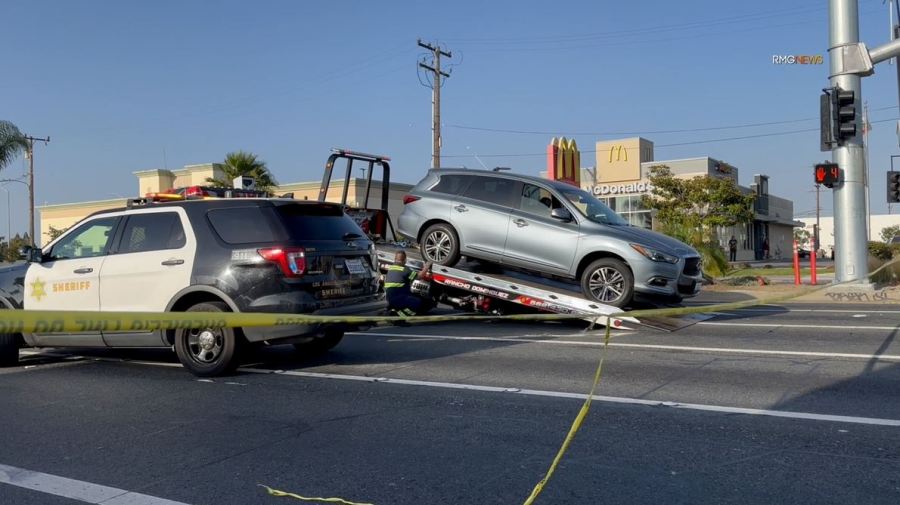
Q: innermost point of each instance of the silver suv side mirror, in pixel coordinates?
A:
(561, 214)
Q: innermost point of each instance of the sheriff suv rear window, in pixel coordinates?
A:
(317, 222)
(241, 225)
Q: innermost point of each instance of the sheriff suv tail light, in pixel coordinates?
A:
(291, 260)
(408, 199)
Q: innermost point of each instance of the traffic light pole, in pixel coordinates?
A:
(851, 253)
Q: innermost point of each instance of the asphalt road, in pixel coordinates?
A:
(793, 404)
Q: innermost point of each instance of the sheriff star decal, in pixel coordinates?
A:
(37, 289)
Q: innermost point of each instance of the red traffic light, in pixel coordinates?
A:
(827, 174)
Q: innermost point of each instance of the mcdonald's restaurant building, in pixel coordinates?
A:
(620, 178)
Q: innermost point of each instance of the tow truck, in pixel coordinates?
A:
(469, 286)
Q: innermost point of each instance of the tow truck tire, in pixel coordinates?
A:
(604, 278)
(440, 245)
(9, 349)
(208, 352)
(320, 345)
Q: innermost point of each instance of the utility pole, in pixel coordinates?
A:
(437, 73)
(30, 155)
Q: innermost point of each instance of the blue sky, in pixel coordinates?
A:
(126, 86)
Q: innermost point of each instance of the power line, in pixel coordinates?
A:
(642, 132)
(677, 144)
(702, 24)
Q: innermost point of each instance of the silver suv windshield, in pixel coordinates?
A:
(591, 208)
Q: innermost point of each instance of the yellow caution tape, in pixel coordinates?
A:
(275, 492)
(576, 424)
(47, 321)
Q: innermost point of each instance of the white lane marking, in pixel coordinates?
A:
(581, 396)
(830, 311)
(76, 489)
(806, 326)
(772, 352)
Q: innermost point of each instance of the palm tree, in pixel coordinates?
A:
(242, 163)
(12, 143)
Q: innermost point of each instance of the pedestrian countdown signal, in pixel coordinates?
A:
(827, 174)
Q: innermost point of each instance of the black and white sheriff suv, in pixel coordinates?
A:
(210, 255)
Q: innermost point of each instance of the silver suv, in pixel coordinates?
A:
(545, 227)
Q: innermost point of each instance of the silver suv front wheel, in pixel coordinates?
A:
(608, 281)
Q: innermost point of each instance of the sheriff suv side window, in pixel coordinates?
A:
(155, 231)
(88, 240)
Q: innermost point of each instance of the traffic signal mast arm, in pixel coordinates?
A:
(857, 59)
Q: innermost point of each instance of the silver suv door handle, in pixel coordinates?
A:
(170, 263)
(83, 270)
(520, 222)
(461, 208)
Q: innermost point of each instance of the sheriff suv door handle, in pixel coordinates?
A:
(520, 222)
(461, 208)
(83, 270)
(170, 263)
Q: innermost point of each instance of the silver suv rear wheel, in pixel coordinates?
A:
(440, 245)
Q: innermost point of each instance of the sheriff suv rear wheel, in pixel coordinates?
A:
(208, 352)
(608, 281)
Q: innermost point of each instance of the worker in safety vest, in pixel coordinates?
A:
(397, 283)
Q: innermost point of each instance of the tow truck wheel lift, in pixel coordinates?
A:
(463, 289)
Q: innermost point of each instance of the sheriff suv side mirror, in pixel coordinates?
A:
(31, 254)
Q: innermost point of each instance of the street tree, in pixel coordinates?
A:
(54, 232)
(802, 237)
(889, 232)
(12, 143)
(240, 163)
(692, 209)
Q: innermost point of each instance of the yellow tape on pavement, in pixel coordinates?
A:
(283, 494)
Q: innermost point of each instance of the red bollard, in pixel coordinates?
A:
(796, 265)
(812, 261)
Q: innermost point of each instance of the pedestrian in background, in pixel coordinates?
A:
(732, 249)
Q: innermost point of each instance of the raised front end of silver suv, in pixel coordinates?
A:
(549, 228)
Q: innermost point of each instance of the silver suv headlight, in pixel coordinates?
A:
(654, 255)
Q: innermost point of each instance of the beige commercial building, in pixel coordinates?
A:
(826, 228)
(620, 178)
(62, 216)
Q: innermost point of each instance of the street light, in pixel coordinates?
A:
(3, 183)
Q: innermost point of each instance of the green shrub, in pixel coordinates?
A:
(880, 250)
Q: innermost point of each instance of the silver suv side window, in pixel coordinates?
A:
(537, 200)
(496, 190)
(451, 184)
